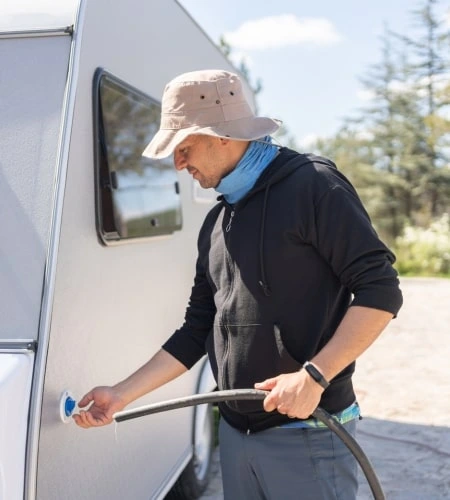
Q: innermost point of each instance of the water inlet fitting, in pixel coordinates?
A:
(67, 406)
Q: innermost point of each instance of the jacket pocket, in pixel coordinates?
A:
(253, 354)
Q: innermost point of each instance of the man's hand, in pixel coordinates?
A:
(296, 395)
(105, 402)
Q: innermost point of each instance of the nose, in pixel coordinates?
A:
(179, 160)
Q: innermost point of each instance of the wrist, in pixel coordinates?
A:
(124, 392)
(315, 374)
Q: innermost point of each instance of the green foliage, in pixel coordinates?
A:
(425, 251)
(397, 151)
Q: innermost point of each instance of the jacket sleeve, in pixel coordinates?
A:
(342, 233)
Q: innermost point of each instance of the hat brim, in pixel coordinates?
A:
(165, 141)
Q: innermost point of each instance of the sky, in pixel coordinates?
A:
(310, 56)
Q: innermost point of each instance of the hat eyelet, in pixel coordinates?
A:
(202, 97)
(231, 92)
(218, 101)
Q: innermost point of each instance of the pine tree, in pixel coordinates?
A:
(394, 142)
(407, 129)
(429, 74)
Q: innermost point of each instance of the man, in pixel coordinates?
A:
(292, 284)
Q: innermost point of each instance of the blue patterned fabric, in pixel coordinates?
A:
(238, 182)
(344, 416)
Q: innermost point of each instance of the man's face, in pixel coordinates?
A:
(206, 158)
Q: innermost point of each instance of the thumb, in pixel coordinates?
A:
(267, 384)
(86, 399)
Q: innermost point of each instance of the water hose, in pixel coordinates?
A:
(254, 394)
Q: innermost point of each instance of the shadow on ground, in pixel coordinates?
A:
(412, 461)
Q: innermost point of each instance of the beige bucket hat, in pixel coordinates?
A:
(210, 102)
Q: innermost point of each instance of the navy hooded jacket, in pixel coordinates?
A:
(275, 275)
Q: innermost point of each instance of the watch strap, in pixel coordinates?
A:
(316, 375)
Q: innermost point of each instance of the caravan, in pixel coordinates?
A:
(98, 246)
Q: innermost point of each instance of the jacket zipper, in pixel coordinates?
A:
(227, 229)
(224, 310)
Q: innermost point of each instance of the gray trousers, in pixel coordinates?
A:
(286, 463)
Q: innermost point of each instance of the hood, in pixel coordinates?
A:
(281, 167)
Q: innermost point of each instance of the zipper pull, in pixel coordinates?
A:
(227, 229)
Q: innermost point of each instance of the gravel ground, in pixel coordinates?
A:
(403, 387)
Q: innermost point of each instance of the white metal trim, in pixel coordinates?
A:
(37, 390)
(18, 346)
(63, 31)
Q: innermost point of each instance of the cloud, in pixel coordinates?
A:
(281, 31)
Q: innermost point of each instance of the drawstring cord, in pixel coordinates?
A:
(263, 281)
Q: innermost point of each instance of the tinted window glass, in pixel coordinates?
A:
(136, 197)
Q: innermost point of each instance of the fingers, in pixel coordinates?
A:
(270, 403)
(80, 420)
(87, 419)
(290, 396)
(86, 399)
(99, 406)
(287, 408)
(267, 385)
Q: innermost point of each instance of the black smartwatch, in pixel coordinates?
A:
(316, 375)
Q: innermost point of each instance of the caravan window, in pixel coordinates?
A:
(135, 196)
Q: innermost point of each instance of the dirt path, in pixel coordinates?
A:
(403, 386)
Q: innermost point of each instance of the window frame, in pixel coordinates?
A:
(105, 237)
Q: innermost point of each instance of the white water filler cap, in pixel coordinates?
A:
(67, 406)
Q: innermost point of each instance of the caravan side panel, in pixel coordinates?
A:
(114, 306)
(32, 82)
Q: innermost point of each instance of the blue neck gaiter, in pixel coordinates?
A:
(239, 181)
